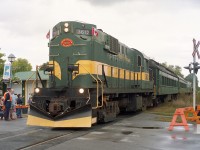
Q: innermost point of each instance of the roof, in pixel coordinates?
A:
(31, 75)
(155, 64)
(145, 56)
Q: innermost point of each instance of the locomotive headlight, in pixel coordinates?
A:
(66, 25)
(66, 29)
(37, 90)
(81, 90)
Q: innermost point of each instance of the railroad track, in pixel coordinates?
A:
(36, 145)
(39, 138)
(43, 138)
(50, 142)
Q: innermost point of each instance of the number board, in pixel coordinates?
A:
(83, 31)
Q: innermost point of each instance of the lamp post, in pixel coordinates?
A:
(11, 59)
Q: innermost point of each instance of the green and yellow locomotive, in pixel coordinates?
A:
(92, 77)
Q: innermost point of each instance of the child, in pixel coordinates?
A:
(19, 103)
(1, 112)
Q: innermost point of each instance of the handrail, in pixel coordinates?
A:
(101, 84)
(97, 86)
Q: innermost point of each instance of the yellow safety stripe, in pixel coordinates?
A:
(95, 67)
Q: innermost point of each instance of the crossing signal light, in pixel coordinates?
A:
(196, 67)
(189, 68)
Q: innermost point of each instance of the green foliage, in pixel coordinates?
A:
(176, 69)
(43, 66)
(16, 80)
(166, 110)
(21, 65)
(190, 78)
(2, 61)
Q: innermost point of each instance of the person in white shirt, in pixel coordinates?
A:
(13, 105)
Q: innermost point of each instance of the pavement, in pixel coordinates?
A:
(13, 125)
(136, 132)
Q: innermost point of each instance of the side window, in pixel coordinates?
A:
(139, 61)
(163, 82)
(147, 64)
(122, 50)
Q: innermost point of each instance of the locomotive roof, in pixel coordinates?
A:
(145, 56)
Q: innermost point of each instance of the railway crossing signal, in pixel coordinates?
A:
(195, 69)
(195, 64)
(196, 46)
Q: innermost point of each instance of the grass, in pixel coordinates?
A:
(166, 110)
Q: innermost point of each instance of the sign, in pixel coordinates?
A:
(196, 48)
(6, 72)
(83, 32)
(66, 42)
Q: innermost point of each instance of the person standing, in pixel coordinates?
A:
(1, 108)
(19, 103)
(13, 105)
(7, 103)
(29, 101)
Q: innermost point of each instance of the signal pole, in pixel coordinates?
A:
(195, 69)
(194, 83)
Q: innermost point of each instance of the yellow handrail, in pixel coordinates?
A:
(101, 84)
(97, 85)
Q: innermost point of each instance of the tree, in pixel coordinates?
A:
(21, 65)
(44, 65)
(2, 64)
(190, 78)
(164, 64)
(176, 69)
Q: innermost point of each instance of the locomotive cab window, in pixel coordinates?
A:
(146, 65)
(139, 61)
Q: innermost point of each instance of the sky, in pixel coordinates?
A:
(161, 29)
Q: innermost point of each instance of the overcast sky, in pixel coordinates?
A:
(162, 29)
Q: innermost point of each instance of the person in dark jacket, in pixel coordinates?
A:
(7, 103)
(19, 109)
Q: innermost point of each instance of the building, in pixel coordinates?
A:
(27, 83)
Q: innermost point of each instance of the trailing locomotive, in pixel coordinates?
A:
(92, 77)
